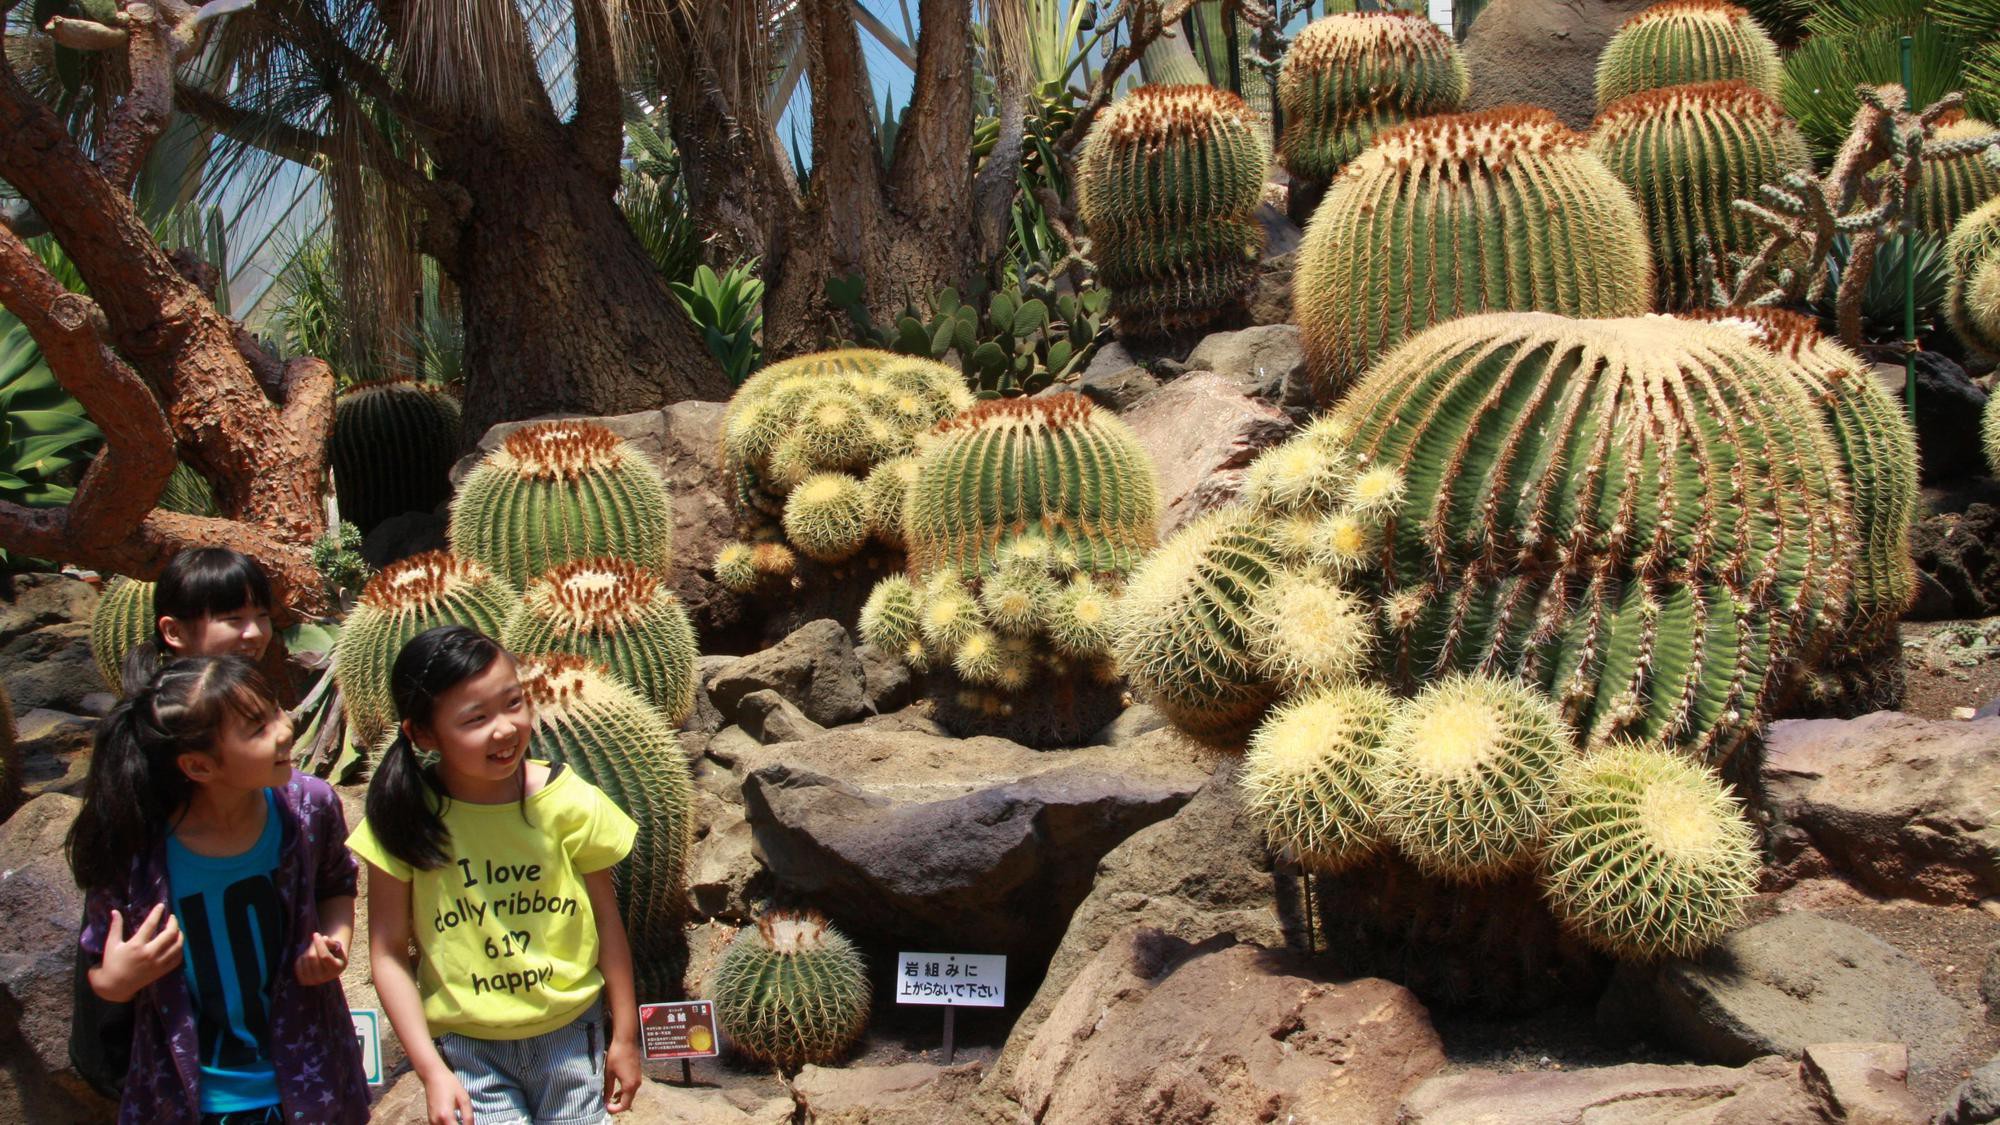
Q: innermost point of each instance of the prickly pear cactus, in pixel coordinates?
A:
(1688, 153)
(394, 443)
(1973, 301)
(1956, 178)
(1687, 41)
(1168, 183)
(619, 615)
(791, 990)
(404, 599)
(1348, 77)
(555, 492)
(122, 621)
(1452, 215)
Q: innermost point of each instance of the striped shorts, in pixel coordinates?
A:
(556, 1078)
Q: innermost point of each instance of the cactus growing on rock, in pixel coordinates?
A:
(394, 442)
(404, 599)
(1452, 215)
(1972, 302)
(1348, 77)
(555, 492)
(619, 615)
(1687, 41)
(122, 621)
(1688, 153)
(1953, 181)
(1168, 183)
(791, 990)
(1310, 776)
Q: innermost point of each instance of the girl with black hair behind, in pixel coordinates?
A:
(210, 601)
(498, 867)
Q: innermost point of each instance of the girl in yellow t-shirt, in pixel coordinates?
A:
(498, 868)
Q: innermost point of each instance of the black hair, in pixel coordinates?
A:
(406, 800)
(135, 786)
(199, 582)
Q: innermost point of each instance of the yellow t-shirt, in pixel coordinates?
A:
(505, 932)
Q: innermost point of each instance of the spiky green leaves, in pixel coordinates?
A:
(555, 492)
(1168, 183)
(404, 599)
(1648, 855)
(1451, 215)
(618, 615)
(1348, 77)
(1686, 41)
(1956, 177)
(122, 621)
(394, 442)
(1310, 776)
(791, 990)
(1973, 301)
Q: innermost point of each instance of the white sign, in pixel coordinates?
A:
(959, 980)
(368, 1029)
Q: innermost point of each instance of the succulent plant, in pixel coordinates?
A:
(1648, 856)
(1686, 41)
(188, 492)
(394, 443)
(1012, 340)
(404, 599)
(826, 517)
(618, 615)
(1688, 153)
(1989, 432)
(337, 557)
(591, 721)
(555, 492)
(1168, 183)
(1955, 181)
(1647, 515)
(1973, 301)
(1310, 776)
(1348, 77)
(1452, 215)
(791, 990)
(122, 621)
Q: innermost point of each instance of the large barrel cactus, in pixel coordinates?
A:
(1502, 209)
(1348, 77)
(619, 615)
(1687, 41)
(1973, 301)
(404, 599)
(791, 990)
(394, 442)
(1646, 515)
(590, 721)
(1956, 177)
(1167, 185)
(554, 492)
(1688, 153)
(122, 621)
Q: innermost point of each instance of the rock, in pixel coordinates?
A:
(911, 1093)
(815, 667)
(887, 683)
(769, 717)
(656, 1104)
(724, 879)
(1863, 1083)
(1114, 379)
(1989, 987)
(1949, 407)
(707, 942)
(40, 908)
(1270, 299)
(978, 841)
(55, 750)
(45, 599)
(1281, 234)
(1957, 555)
(1977, 1099)
(916, 718)
(1267, 362)
(50, 667)
(1159, 1031)
(702, 722)
(1768, 1091)
(1136, 720)
(1542, 52)
(97, 704)
(400, 536)
(1799, 979)
(1902, 805)
(728, 746)
(1201, 431)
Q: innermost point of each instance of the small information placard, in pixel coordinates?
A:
(368, 1030)
(959, 980)
(677, 1031)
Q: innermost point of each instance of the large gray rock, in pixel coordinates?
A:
(45, 599)
(769, 717)
(724, 880)
(1114, 379)
(815, 667)
(1266, 362)
(1201, 432)
(1542, 53)
(1768, 1091)
(55, 750)
(978, 842)
(1902, 805)
(50, 667)
(1977, 1099)
(40, 908)
(1160, 1032)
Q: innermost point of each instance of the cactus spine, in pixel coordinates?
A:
(1168, 184)
(122, 621)
(1687, 41)
(1310, 777)
(618, 615)
(1688, 153)
(555, 492)
(1348, 77)
(791, 990)
(406, 598)
(1989, 432)
(1953, 181)
(1972, 303)
(394, 442)
(590, 721)
(1447, 216)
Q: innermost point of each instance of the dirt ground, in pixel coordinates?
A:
(1950, 665)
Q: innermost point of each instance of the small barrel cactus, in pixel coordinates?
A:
(404, 599)
(1310, 776)
(619, 615)
(1989, 431)
(1972, 303)
(554, 492)
(394, 442)
(1688, 153)
(1348, 77)
(591, 721)
(1958, 174)
(1648, 856)
(1452, 215)
(122, 621)
(1168, 184)
(791, 990)
(1687, 41)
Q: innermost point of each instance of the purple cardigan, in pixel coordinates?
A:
(312, 1047)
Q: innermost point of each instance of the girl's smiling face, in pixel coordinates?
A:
(250, 752)
(480, 726)
(245, 631)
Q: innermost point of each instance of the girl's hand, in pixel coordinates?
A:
(621, 1074)
(446, 1101)
(324, 960)
(132, 963)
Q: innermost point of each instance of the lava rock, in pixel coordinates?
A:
(1114, 379)
(51, 667)
(815, 667)
(769, 717)
(1270, 299)
(45, 599)
(1201, 432)
(1957, 555)
(911, 1093)
(1542, 53)
(1977, 1099)
(888, 683)
(1949, 406)
(40, 908)
(1863, 1083)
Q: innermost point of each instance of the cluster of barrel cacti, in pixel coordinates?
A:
(1972, 303)
(1687, 41)
(790, 990)
(816, 452)
(394, 443)
(1348, 77)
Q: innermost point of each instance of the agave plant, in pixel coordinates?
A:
(45, 437)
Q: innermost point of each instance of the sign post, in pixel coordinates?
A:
(368, 1030)
(681, 1031)
(952, 981)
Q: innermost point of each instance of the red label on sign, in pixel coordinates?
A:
(677, 1031)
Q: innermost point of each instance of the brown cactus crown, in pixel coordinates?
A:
(786, 932)
(1688, 9)
(593, 595)
(555, 681)
(1488, 140)
(1152, 114)
(1336, 40)
(1056, 412)
(561, 450)
(1733, 97)
(421, 581)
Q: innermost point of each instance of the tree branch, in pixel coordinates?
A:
(848, 186)
(934, 144)
(994, 185)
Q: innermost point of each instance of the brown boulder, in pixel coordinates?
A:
(911, 1093)
(1863, 1083)
(1543, 52)
(1768, 1091)
(1201, 431)
(40, 908)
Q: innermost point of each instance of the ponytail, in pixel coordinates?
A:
(406, 801)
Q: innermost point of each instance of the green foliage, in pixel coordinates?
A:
(394, 444)
(725, 309)
(315, 315)
(1882, 295)
(1972, 302)
(188, 493)
(1857, 42)
(1310, 776)
(1013, 340)
(594, 723)
(1686, 41)
(1347, 78)
(791, 990)
(653, 196)
(1391, 250)
(337, 557)
(122, 621)
(45, 438)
